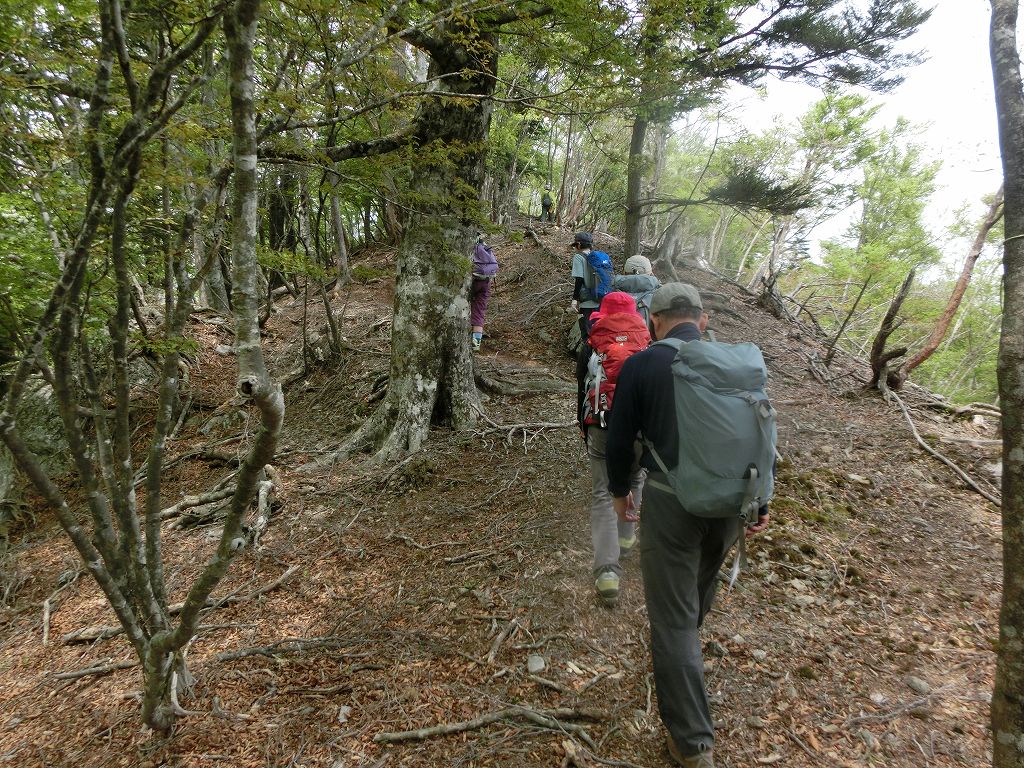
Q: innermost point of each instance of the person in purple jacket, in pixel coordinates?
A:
(485, 269)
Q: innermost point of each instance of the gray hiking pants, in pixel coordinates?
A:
(680, 555)
(605, 527)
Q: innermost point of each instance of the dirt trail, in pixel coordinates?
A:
(861, 636)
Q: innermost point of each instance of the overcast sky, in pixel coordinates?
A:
(950, 94)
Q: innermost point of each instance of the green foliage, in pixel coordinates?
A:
(749, 188)
(363, 273)
(290, 263)
(28, 269)
(160, 346)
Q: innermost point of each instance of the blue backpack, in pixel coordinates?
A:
(601, 273)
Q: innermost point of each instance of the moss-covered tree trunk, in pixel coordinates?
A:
(431, 376)
(1008, 696)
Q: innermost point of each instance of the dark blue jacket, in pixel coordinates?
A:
(645, 403)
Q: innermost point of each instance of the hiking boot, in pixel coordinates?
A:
(476, 344)
(703, 759)
(626, 545)
(607, 584)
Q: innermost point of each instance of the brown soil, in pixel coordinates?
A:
(862, 635)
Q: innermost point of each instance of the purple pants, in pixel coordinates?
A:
(479, 295)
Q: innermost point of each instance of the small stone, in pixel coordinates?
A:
(755, 722)
(738, 639)
(759, 655)
(791, 692)
(223, 350)
(715, 648)
(918, 685)
(343, 712)
(535, 664)
(877, 698)
(868, 738)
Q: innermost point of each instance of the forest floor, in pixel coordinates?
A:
(413, 595)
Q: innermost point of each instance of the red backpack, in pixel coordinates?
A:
(613, 338)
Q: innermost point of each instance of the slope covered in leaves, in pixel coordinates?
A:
(454, 589)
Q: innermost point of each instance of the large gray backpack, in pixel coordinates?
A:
(641, 288)
(727, 429)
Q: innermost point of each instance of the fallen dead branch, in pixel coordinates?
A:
(92, 634)
(98, 669)
(552, 718)
(291, 645)
(501, 638)
(196, 501)
(552, 684)
(510, 429)
(263, 505)
(902, 709)
(889, 394)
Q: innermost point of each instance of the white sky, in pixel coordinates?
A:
(950, 94)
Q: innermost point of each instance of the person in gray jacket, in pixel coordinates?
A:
(638, 281)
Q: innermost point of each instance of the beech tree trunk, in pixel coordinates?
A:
(634, 180)
(341, 267)
(1008, 695)
(431, 375)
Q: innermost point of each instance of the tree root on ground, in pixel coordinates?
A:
(552, 718)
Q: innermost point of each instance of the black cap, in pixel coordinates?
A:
(582, 239)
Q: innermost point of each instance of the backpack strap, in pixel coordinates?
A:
(674, 344)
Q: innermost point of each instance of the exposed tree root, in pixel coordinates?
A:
(552, 718)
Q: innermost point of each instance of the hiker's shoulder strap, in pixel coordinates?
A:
(673, 343)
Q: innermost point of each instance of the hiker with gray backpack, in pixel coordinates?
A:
(638, 280)
(709, 435)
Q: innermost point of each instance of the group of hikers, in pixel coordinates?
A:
(680, 427)
(684, 428)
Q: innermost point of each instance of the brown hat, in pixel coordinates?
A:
(675, 296)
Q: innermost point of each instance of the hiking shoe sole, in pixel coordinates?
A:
(607, 585)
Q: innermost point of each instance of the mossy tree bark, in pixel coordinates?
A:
(431, 374)
(1008, 696)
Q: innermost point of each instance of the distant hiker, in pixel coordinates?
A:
(617, 331)
(639, 282)
(680, 551)
(592, 275)
(545, 204)
(485, 268)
